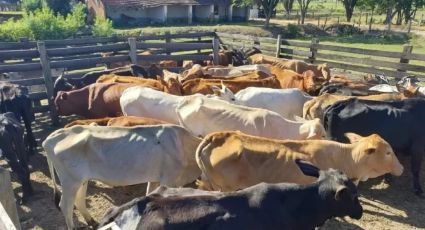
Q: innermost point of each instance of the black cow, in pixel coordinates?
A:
(67, 84)
(342, 89)
(12, 146)
(263, 206)
(398, 122)
(14, 98)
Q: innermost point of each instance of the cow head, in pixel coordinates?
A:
(63, 105)
(310, 82)
(223, 93)
(337, 191)
(61, 84)
(325, 70)
(312, 130)
(172, 86)
(374, 156)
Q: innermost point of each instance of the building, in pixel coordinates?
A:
(148, 12)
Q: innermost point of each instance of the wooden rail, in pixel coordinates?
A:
(42, 57)
(393, 64)
(8, 213)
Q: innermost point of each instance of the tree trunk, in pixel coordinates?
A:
(349, 8)
(371, 20)
(268, 16)
(303, 13)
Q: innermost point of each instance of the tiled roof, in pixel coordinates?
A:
(154, 3)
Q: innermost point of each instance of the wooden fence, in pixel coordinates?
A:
(392, 64)
(42, 58)
(8, 213)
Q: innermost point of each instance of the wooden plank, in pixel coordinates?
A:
(7, 200)
(247, 37)
(87, 62)
(20, 67)
(15, 54)
(47, 74)
(359, 51)
(5, 222)
(84, 41)
(419, 57)
(29, 82)
(216, 50)
(17, 45)
(38, 96)
(278, 45)
(133, 50)
(185, 46)
(40, 109)
(368, 61)
(193, 35)
(86, 49)
(173, 57)
(296, 43)
(302, 53)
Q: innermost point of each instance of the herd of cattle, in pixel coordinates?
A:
(263, 142)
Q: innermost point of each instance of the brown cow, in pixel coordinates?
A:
(255, 75)
(123, 121)
(97, 100)
(224, 58)
(203, 86)
(171, 86)
(315, 108)
(306, 82)
(232, 160)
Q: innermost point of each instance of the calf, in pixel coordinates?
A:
(286, 102)
(306, 82)
(232, 160)
(263, 206)
(14, 98)
(203, 115)
(117, 156)
(12, 146)
(398, 122)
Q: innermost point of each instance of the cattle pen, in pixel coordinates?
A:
(386, 206)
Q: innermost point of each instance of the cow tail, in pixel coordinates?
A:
(204, 182)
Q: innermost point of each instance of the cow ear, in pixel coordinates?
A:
(352, 137)
(216, 90)
(341, 191)
(64, 96)
(307, 168)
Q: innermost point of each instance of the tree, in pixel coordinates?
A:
(349, 8)
(62, 7)
(303, 8)
(369, 5)
(288, 5)
(268, 6)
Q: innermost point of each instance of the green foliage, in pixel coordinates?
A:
(293, 31)
(243, 2)
(31, 5)
(102, 27)
(44, 24)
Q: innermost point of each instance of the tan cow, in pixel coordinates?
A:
(171, 86)
(232, 160)
(297, 66)
(203, 86)
(316, 108)
(123, 121)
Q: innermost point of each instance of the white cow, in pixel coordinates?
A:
(286, 102)
(236, 71)
(202, 116)
(146, 102)
(118, 156)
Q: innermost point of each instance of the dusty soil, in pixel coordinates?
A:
(386, 206)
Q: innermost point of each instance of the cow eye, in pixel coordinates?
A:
(388, 153)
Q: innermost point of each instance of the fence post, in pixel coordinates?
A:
(133, 50)
(167, 40)
(278, 45)
(199, 41)
(216, 44)
(318, 21)
(313, 50)
(47, 74)
(7, 198)
(407, 49)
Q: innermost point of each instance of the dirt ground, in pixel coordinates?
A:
(385, 206)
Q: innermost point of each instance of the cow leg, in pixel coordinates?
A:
(32, 144)
(417, 152)
(151, 186)
(80, 203)
(69, 192)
